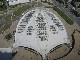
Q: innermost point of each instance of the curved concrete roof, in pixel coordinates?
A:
(40, 30)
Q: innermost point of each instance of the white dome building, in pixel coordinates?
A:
(40, 30)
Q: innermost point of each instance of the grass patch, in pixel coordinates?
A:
(5, 27)
(8, 17)
(9, 36)
(1, 17)
(63, 15)
(17, 13)
(0, 25)
(20, 11)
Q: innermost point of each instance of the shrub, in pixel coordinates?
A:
(9, 36)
